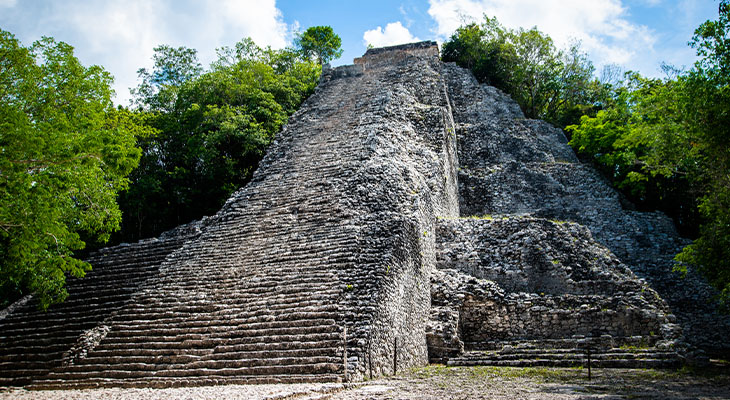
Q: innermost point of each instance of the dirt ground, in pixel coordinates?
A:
(439, 382)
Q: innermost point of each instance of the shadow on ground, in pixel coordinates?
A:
(439, 382)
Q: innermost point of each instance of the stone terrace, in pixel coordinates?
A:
(319, 266)
(346, 255)
(512, 167)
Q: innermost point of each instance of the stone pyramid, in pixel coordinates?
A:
(353, 251)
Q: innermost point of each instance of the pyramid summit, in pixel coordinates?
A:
(405, 214)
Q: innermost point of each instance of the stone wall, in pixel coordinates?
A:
(407, 180)
(513, 166)
(518, 278)
(352, 251)
(318, 270)
(532, 316)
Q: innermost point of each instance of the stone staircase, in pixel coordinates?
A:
(521, 278)
(572, 352)
(34, 341)
(317, 267)
(256, 298)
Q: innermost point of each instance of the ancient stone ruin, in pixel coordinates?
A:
(405, 214)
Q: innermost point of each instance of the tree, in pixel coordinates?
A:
(708, 96)
(549, 84)
(643, 142)
(65, 153)
(319, 42)
(537, 69)
(213, 128)
(485, 50)
(668, 142)
(712, 41)
(172, 68)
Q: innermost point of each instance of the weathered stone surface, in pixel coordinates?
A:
(34, 342)
(509, 280)
(513, 166)
(346, 256)
(319, 269)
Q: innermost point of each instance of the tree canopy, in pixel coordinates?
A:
(668, 142)
(213, 127)
(320, 43)
(664, 142)
(65, 153)
(551, 84)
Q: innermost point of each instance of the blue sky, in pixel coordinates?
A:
(120, 34)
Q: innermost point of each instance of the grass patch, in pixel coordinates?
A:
(540, 374)
(687, 382)
(634, 348)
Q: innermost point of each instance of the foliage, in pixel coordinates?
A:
(548, 84)
(668, 142)
(664, 142)
(712, 42)
(213, 128)
(643, 143)
(65, 152)
(319, 42)
(708, 91)
(484, 50)
(173, 67)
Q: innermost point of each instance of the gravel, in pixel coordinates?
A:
(226, 392)
(437, 382)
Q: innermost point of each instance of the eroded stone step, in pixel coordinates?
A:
(273, 311)
(155, 382)
(10, 359)
(176, 334)
(633, 363)
(197, 365)
(228, 323)
(167, 358)
(222, 350)
(31, 350)
(503, 356)
(109, 373)
(212, 343)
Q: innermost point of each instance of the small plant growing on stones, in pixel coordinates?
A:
(485, 216)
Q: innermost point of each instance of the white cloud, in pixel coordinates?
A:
(121, 34)
(603, 27)
(260, 20)
(406, 17)
(394, 33)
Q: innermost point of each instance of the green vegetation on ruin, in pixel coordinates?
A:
(663, 142)
(78, 172)
(74, 169)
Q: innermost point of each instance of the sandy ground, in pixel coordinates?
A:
(436, 382)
